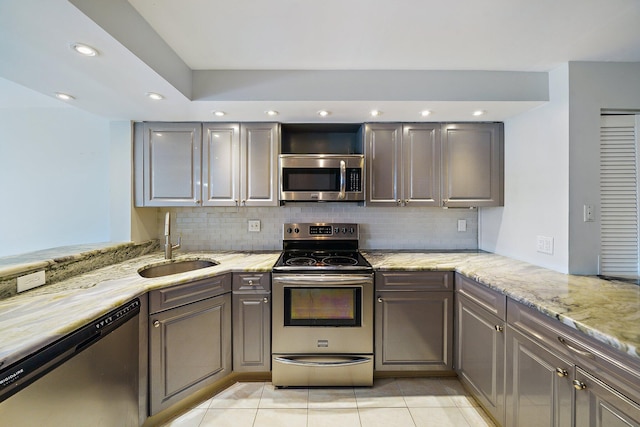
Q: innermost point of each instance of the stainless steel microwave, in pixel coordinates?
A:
(321, 177)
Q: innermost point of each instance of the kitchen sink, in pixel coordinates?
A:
(175, 267)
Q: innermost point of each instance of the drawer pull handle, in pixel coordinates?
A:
(579, 385)
(561, 372)
(499, 328)
(575, 349)
(156, 324)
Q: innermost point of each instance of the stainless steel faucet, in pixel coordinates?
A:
(168, 247)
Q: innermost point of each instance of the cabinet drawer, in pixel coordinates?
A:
(175, 296)
(492, 301)
(414, 281)
(251, 282)
(619, 370)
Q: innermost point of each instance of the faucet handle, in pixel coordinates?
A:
(177, 246)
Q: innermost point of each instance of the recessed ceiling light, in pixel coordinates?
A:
(84, 49)
(64, 96)
(155, 96)
(479, 112)
(219, 113)
(324, 113)
(375, 113)
(271, 113)
(425, 113)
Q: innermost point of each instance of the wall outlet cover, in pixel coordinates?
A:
(462, 225)
(254, 225)
(30, 281)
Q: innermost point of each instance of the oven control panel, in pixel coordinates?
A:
(310, 231)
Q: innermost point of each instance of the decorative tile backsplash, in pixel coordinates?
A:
(204, 228)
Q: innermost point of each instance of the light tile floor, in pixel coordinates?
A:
(400, 402)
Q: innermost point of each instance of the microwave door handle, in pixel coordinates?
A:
(343, 180)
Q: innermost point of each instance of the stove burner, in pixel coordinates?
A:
(339, 260)
(301, 261)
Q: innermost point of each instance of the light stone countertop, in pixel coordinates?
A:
(608, 311)
(33, 319)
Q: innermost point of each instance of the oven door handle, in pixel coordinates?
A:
(350, 362)
(315, 280)
(343, 180)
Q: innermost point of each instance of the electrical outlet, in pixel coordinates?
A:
(30, 281)
(462, 225)
(544, 245)
(254, 225)
(589, 213)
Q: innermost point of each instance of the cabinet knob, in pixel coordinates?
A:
(561, 372)
(579, 385)
(399, 202)
(250, 282)
(156, 323)
(406, 202)
(197, 202)
(379, 299)
(499, 328)
(265, 300)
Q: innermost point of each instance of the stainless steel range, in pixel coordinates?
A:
(322, 322)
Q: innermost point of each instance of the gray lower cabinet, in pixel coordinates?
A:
(559, 377)
(251, 322)
(189, 339)
(539, 387)
(480, 344)
(600, 405)
(414, 321)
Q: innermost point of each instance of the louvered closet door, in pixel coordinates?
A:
(618, 195)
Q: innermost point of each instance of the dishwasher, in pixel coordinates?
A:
(88, 377)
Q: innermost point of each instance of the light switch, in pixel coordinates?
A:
(544, 245)
(462, 225)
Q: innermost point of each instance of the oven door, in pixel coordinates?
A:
(322, 314)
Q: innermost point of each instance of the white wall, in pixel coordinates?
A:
(536, 183)
(54, 175)
(593, 86)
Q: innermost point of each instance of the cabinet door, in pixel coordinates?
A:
(539, 388)
(171, 164)
(480, 358)
(221, 164)
(259, 164)
(421, 165)
(472, 164)
(189, 348)
(252, 332)
(382, 147)
(413, 331)
(598, 405)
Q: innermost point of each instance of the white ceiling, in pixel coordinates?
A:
(420, 35)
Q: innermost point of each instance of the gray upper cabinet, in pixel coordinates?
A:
(239, 165)
(259, 164)
(170, 156)
(215, 164)
(403, 164)
(472, 164)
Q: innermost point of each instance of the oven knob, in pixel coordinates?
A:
(344, 230)
(336, 230)
(296, 230)
(289, 230)
(352, 230)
